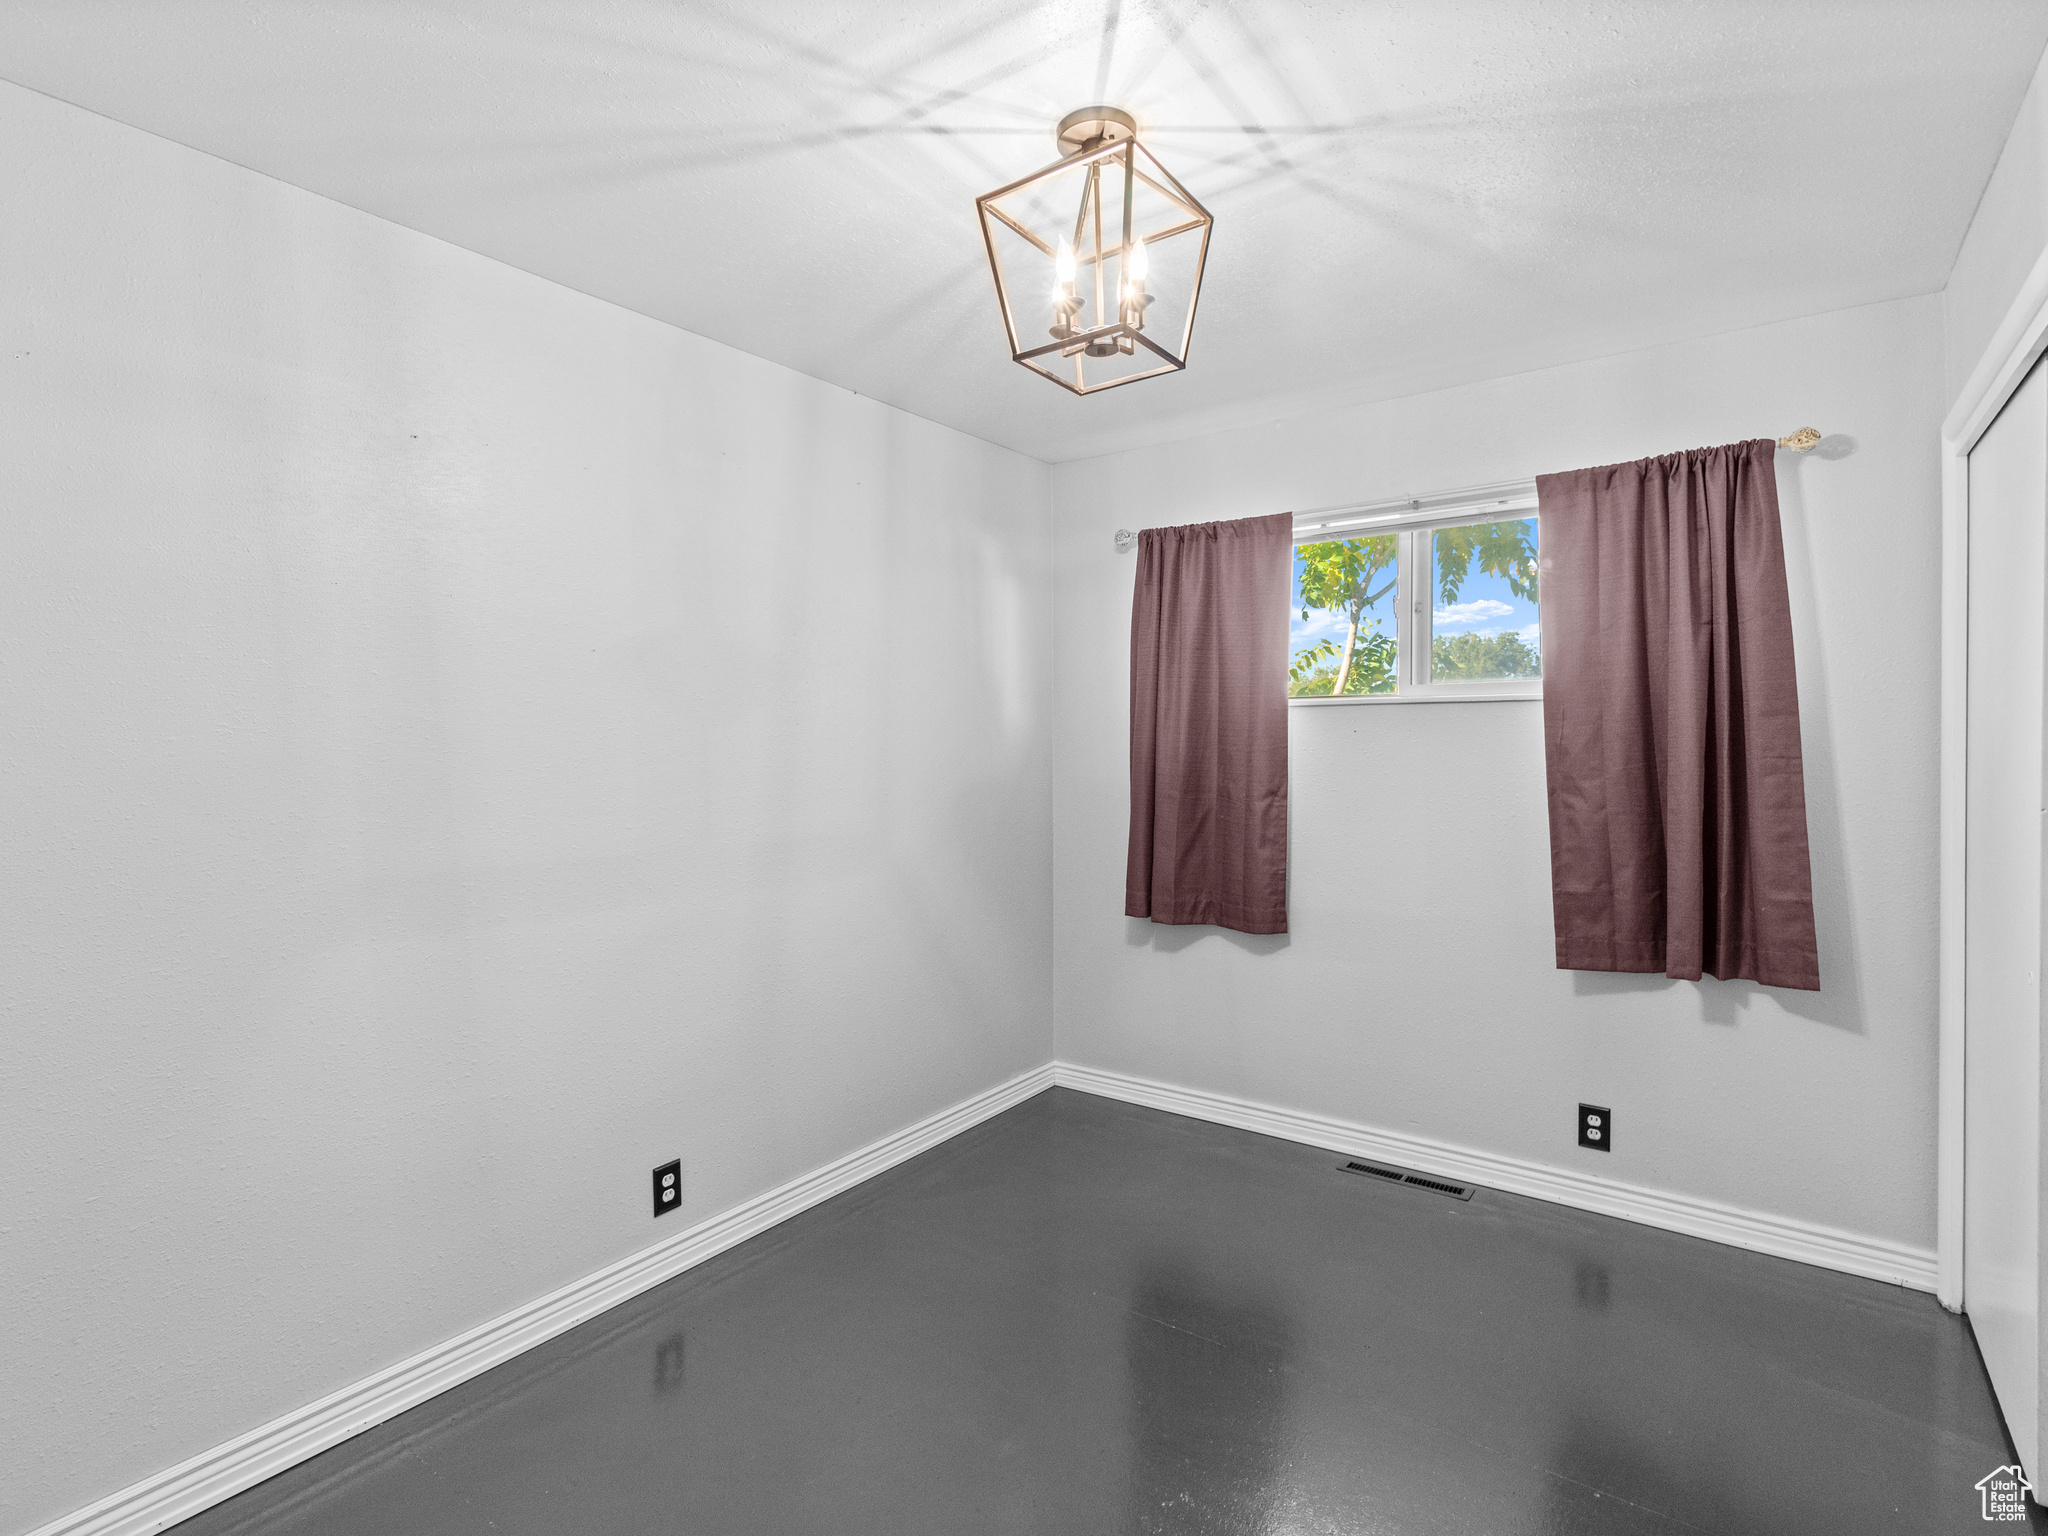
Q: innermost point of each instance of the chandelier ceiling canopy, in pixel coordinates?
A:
(1097, 258)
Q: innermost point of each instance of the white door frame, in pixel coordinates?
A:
(2015, 347)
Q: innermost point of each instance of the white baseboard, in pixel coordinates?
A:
(161, 1501)
(182, 1491)
(1829, 1247)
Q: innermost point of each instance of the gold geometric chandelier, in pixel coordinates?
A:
(1100, 253)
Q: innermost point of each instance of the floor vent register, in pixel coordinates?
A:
(1407, 1176)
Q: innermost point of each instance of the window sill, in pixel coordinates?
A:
(1439, 695)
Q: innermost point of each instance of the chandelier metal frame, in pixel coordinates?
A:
(1091, 139)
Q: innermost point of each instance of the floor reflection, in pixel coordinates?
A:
(1694, 1402)
(1087, 1319)
(1208, 1400)
(668, 1365)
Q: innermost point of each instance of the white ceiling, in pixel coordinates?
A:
(1407, 195)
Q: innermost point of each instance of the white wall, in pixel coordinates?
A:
(2007, 235)
(1417, 990)
(464, 745)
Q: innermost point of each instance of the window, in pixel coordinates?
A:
(1344, 637)
(1432, 604)
(1482, 602)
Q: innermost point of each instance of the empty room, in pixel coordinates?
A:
(1023, 767)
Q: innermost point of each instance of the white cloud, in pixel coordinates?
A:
(1473, 612)
(1529, 633)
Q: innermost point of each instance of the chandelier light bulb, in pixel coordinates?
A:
(1063, 263)
(1135, 267)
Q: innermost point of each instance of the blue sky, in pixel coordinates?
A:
(1485, 606)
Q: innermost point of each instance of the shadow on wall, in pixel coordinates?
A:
(1839, 1003)
(1723, 1002)
(1171, 938)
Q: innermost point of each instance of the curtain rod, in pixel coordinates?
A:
(1501, 496)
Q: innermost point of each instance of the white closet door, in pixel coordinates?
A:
(2002, 886)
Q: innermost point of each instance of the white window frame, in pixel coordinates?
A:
(1414, 519)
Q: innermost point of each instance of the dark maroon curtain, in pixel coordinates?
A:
(1209, 725)
(1671, 721)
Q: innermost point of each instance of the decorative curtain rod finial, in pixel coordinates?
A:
(1125, 539)
(1800, 441)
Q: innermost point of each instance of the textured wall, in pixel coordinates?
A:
(1417, 990)
(2006, 237)
(465, 744)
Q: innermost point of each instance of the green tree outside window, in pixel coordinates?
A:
(1496, 549)
(1344, 577)
(1348, 576)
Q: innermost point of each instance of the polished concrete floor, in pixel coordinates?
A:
(1086, 1319)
